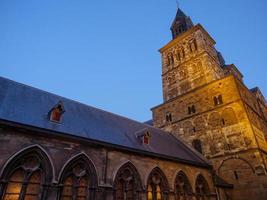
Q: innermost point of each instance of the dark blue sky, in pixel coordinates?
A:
(105, 53)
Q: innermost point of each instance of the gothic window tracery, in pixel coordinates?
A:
(202, 188)
(26, 176)
(127, 183)
(157, 185)
(78, 180)
(183, 190)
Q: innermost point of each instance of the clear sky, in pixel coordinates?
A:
(105, 53)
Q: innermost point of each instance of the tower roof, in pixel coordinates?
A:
(179, 15)
(181, 23)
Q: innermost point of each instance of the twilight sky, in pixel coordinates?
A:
(105, 53)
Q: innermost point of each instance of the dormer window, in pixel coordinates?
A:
(144, 136)
(55, 114)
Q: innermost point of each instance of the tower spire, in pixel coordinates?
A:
(181, 23)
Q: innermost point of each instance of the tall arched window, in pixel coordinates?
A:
(157, 185)
(202, 188)
(229, 117)
(183, 190)
(170, 59)
(127, 184)
(26, 175)
(78, 180)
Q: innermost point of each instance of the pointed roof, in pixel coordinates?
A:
(179, 15)
(181, 23)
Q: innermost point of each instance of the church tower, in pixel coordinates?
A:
(206, 103)
(189, 60)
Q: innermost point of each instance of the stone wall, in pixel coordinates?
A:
(106, 161)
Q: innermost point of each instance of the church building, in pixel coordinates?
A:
(208, 105)
(207, 140)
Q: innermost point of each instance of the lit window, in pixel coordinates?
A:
(77, 179)
(127, 183)
(56, 112)
(25, 182)
(156, 185)
(146, 138)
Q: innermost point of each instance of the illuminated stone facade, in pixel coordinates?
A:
(207, 104)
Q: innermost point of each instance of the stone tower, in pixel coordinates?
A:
(207, 104)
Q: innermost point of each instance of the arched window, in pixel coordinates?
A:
(157, 185)
(170, 59)
(127, 184)
(193, 45)
(214, 119)
(197, 145)
(202, 188)
(183, 190)
(26, 176)
(229, 117)
(78, 180)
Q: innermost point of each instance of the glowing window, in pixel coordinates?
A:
(56, 112)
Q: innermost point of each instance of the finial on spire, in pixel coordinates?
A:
(177, 3)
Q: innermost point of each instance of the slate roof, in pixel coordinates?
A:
(180, 15)
(149, 122)
(28, 106)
